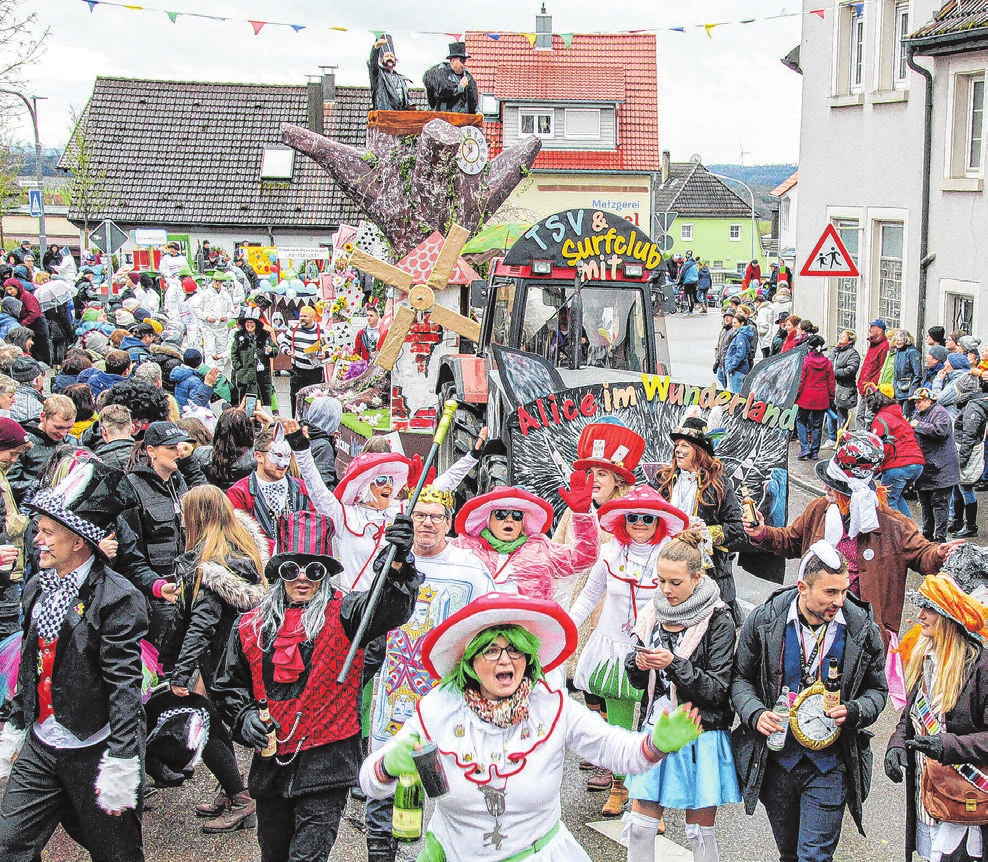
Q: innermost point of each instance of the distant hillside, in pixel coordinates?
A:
(761, 178)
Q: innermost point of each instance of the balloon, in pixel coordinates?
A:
(290, 293)
(264, 285)
(273, 256)
(296, 284)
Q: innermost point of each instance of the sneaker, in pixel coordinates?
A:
(827, 444)
(601, 779)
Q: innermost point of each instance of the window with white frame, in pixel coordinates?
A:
(686, 231)
(735, 232)
(856, 48)
(538, 123)
(900, 29)
(966, 152)
(847, 288)
(784, 214)
(583, 123)
(890, 241)
(975, 125)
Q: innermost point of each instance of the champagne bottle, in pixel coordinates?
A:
(748, 508)
(406, 817)
(271, 749)
(831, 687)
(777, 740)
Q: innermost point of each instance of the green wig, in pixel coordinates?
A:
(463, 676)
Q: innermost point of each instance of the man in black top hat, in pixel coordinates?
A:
(449, 86)
(77, 727)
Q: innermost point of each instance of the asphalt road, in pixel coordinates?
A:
(172, 832)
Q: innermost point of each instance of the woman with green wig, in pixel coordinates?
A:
(501, 734)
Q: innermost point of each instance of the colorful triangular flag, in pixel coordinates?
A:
(494, 36)
(818, 12)
(133, 8)
(530, 37)
(297, 27)
(710, 29)
(92, 4)
(257, 25)
(456, 37)
(677, 29)
(378, 33)
(172, 16)
(567, 39)
(344, 30)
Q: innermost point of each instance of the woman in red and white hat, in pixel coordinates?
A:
(366, 500)
(626, 578)
(507, 527)
(501, 734)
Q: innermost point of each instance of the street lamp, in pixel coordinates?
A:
(750, 192)
(32, 108)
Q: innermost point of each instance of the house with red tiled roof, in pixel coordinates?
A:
(591, 98)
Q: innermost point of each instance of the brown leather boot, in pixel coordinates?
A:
(601, 779)
(615, 802)
(213, 807)
(240, 814)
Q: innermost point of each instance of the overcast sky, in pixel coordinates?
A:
(717, 96)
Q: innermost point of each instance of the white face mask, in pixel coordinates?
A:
(280, 454)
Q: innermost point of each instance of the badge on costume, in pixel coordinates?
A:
(868, 553)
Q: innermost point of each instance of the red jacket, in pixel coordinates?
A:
(871, 367)
(817, 383)
(30, 308)
(904, 449)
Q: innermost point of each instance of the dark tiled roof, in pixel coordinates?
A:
(694, 192)
(955, 16)
(595, 67)
(189, 153)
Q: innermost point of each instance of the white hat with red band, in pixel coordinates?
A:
(475, 514)
(444, 646)
(365, 468)
(643, 501)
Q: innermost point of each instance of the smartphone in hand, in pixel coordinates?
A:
(250, 404)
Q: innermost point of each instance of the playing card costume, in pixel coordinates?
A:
(77, 725)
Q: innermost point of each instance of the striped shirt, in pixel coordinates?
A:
(294, 341)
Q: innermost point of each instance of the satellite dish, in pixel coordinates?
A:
(696, 159)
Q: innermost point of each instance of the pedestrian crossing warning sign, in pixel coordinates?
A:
(830, 257)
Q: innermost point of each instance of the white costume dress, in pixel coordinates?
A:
(453, 578)
(504, 784)
(360, 529)
(628, 576)
(215, 304)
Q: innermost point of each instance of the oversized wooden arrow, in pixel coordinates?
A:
(421, 297)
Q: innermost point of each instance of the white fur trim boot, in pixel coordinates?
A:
(117, 782)
(11, 743)
(703, 840)
(640, 831)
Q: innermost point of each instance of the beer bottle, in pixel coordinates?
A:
(271, 749)
(406, 817)
(831, 687)
(748, 508)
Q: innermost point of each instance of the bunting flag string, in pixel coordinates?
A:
(566, 38)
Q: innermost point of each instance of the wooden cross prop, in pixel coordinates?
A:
(421, 297)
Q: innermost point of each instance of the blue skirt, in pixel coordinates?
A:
(701, 775)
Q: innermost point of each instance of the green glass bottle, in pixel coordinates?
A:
(406, 817)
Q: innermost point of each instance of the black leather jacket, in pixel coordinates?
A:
(97, 673)
(157, 522)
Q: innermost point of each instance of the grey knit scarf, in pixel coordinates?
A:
(697, 607)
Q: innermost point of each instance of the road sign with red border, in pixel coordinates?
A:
(830, 257)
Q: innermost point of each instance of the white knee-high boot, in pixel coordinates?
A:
(640, 831)
(703, 840)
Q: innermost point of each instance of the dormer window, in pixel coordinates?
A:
(538, 123)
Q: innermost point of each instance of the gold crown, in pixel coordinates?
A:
(431, 494)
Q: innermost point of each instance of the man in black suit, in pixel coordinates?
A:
(74, 744)
(449, 86)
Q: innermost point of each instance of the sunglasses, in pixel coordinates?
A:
(383, 481)
(635, 518)
(504, 514)
(290, 571)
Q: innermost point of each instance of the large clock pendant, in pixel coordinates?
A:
(809, 723)
(472, 155)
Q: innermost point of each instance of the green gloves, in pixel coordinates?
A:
(674, 730)
(398, 758)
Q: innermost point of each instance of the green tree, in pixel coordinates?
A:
(11, 192)
(87, 192)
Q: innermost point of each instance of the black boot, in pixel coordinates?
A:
(381, 848)
(971, 514)
(957, 523)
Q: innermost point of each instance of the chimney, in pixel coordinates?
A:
(665, 166)
(543, 30)
(314, 111)
(328, 87)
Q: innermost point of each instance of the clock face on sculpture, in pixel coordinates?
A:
(809, 724)
(472, 156)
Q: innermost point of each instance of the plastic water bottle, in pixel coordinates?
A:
(778, 739)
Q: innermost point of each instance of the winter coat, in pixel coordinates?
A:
(704, 678)
(324, 454)
(873, 362)
(157, 522)
(907, 372)
(964, 732)
(7, 323)
(935, 434)
(846, 361)
(690, 273)
(757, 682)
(929, 376)
(242, 467)
(884, 555)
(247, 352)
(970, 427)
(737, 359)
(704, 280)
(25, 471)
(99, 381)
(901, 446)
(136, 349)
(116, 453)
(724, 339)
(27, 404)
(168, 358)
(190, 388)
(30, 307)
(62, 382)
(535, 565)
(778, 340)
(816, 383)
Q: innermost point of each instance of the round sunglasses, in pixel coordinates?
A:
(636, 517)
(504, 514)
(290, 571)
